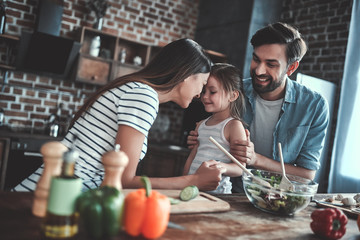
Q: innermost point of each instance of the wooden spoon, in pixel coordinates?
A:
(256, 178)
(285, 183)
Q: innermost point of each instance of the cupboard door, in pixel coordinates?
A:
(123, 69)
(4, 154)
(93, 71)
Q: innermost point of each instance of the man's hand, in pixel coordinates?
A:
(192, 139)
(244, 150)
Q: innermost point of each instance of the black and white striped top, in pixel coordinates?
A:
(133, 104)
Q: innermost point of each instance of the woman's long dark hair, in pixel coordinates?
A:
(172, 65)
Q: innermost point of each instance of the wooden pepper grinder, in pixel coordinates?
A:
(52, 156)
(114, 164)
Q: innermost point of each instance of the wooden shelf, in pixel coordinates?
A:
(6, 67)
(108, 60)
(9, 37)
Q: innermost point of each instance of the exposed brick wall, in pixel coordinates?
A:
(155, 22)
(325, 26)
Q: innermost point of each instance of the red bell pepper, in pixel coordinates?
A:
(329, 223)
(147, 212)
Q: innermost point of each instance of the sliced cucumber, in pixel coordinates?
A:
(174, 201)
(189, 192)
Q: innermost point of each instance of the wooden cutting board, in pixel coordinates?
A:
(204, 202)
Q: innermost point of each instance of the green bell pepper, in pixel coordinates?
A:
(101, 211)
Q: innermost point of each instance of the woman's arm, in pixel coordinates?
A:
(189, 160)
(206, 178)
(192, 154)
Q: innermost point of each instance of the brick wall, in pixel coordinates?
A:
(325, 26)
(157, 22)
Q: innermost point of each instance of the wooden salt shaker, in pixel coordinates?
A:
(52, 156)
(114, 165)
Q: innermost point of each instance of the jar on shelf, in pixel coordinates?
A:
(123, 55)
(95, 46)
(137, 61)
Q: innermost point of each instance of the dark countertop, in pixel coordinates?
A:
(26, 133)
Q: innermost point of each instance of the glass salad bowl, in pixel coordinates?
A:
(278, 201)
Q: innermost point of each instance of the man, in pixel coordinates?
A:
(279, 109)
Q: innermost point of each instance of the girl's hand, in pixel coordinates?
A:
(209, 175)
(244, 150)
(192, 139)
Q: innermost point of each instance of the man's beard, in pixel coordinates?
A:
(269, 87)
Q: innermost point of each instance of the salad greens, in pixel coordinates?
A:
(274, 201)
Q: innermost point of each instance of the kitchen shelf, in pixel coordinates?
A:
(6, 67)
(108, 64)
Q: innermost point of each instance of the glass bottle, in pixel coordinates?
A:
(61, 221)
(122, 55)
(95, 46)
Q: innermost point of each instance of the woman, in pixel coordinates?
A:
(123, 111)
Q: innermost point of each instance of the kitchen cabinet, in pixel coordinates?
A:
(104, 57)
(163, 161)
(20, 156)
(8, 45)
(4, 154)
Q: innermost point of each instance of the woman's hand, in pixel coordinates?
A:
(209, 175)
(244, 150)
(192, 139)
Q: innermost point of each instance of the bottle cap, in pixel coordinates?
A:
(71, 155)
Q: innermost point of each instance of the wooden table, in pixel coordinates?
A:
(243, 221)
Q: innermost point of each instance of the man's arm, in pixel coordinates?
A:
(244, 152)
(192, 139)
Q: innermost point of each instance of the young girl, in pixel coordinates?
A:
(223, 97)
(123, 111)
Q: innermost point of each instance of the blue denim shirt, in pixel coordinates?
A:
(301, 127)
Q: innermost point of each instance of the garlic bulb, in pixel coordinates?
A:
(348, 201)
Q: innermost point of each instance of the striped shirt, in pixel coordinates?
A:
(133, 104)
(207, 151)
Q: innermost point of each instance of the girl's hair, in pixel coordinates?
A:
(172, 65)
(229, 77)
(282, 33)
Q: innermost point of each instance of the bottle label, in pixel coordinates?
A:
(62, 195)
(63, 231)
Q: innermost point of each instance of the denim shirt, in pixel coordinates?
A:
(301, 127)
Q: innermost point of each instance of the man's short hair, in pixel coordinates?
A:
(282, 33)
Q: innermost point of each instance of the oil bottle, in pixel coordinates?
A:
(61, 221)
